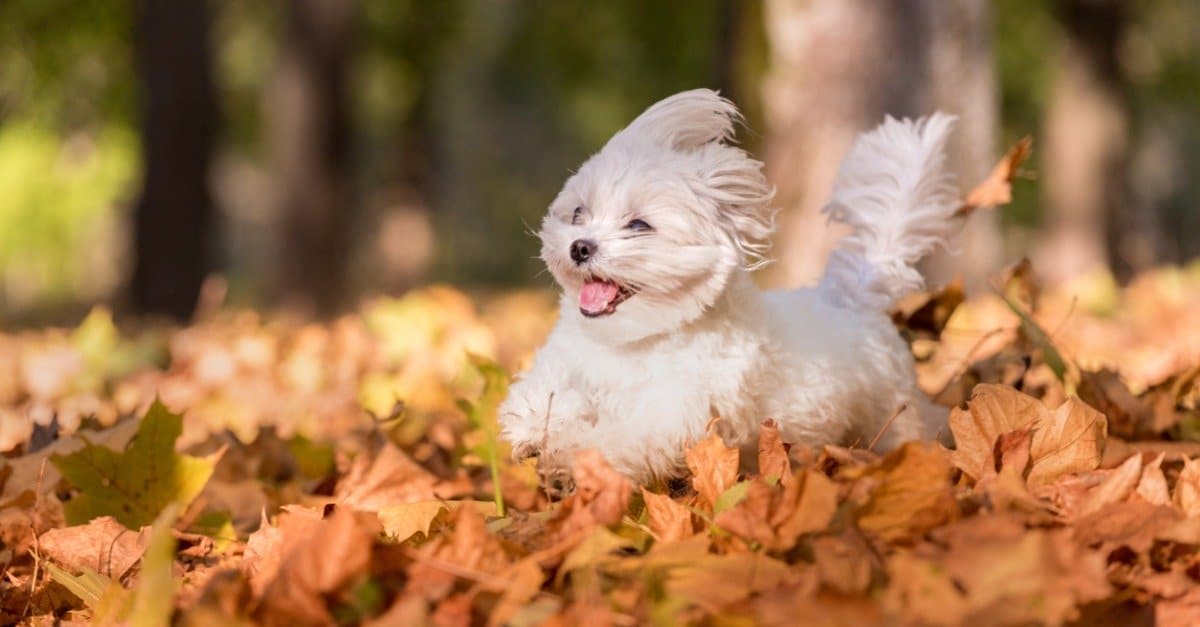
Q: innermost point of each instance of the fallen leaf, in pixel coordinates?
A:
(605, 491)
(992, 411)
(103, 545)
(154, 595)
(773, 458)
(1042, 576)
(714, 468)
(717, 581)
(1069, 439)
(843, 563)
(332, 552)
(133, 486)
(403, 521)
(1115, 488)
(1152, 486)
(385, 477)
(1187, 489)
(670, 521)
(912, 493)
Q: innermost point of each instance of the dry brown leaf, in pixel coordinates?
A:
(522, 582)
(923, 590)
(1135, 524)
(773, 458)
(1042, 577)
(717, 581)
(385, 477)
(265, 548)
(912, 493)
(1187, 489)
(1069, 439)
(843, 563)
(992, 411)
(996, 189)
(776, 516)
(670, 521)
(470, 548)
(334, 552)
(812, 511)
(1115, 488)
(605, 491)
(714, 468)
(103, 545)
(1181, 612)
(1152, 487)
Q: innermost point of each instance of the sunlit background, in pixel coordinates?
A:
(315, 151)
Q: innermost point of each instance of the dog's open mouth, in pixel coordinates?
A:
(600, 297)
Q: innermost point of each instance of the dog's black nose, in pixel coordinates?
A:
(582, 250)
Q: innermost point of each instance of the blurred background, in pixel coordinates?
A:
(310, 152)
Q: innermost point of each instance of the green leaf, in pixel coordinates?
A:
(731, 496)
(136, 484)
(154, 596)
(481, 415)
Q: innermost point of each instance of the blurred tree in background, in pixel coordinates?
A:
(366, 145)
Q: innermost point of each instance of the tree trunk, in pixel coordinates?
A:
(173, 216)
(836, 68)
(310, 143)
(1085, 139)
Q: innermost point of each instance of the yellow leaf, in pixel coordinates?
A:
(405, 520)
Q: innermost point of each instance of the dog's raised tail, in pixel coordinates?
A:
(896, 193)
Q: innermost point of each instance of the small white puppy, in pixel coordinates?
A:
(661, 329)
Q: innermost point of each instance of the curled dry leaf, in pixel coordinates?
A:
(1152, 486)
(996, 189)
(669, 520)
(773, 458)
(1069, 439)
(1115, 488)
(714, 468)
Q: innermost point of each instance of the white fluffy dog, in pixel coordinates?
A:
(661, 329)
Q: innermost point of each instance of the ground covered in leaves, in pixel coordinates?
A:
(247, 470)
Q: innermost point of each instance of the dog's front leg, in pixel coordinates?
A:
(543, 411)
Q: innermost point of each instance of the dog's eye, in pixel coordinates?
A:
(575, 217)
(638, 225)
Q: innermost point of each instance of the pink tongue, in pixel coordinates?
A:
(596, 295)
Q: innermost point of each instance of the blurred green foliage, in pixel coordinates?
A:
(477, 108)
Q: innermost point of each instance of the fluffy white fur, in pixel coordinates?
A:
(697, 339)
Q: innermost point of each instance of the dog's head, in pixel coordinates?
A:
(645, 236)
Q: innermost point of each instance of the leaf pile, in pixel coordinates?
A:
(251, 470)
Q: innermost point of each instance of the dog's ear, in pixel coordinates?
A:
(737, 186)
(684, 122)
